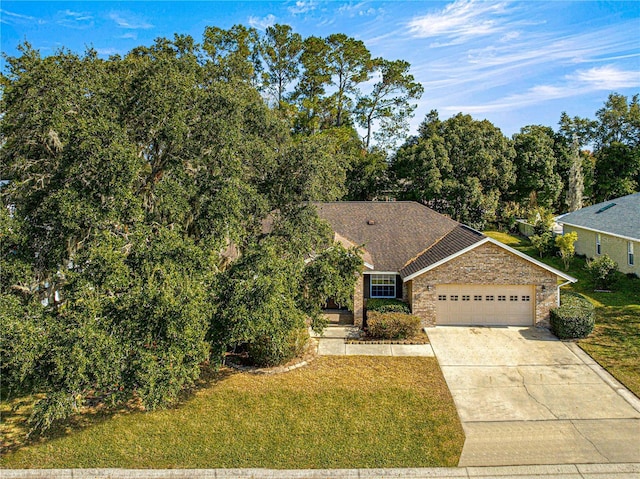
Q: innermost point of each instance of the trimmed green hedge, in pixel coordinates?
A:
(392, 325)
(387, 306)
(574, 319)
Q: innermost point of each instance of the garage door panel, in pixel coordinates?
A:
(484, 304)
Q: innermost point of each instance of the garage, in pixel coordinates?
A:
(484, 304)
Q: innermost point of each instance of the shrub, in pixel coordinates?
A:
(380, 305)
(575, 318)
(602, 270)
(392, 325)
(278, 349)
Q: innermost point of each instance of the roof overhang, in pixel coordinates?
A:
(526, 257)
(628, 238)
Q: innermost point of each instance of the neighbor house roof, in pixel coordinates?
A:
(618, 217)
(395, 233)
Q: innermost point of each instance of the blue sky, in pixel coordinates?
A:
(514, 63)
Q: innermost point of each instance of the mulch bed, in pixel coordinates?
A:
(242, 362)
(420, 338)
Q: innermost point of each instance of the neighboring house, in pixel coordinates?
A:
(612, 228)
(446, 271)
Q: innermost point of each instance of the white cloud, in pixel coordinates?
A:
(302, 7)
(607, 77)
(581, 82)
(125, 20)
(69, 18)
(460, 20)
(129, 35)
(262, 23)
(106, 51)
(360, 9)
(11, 18)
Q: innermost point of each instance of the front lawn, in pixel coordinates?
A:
(337, 412)
(615, 342)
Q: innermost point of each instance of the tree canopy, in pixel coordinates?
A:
(134, 246)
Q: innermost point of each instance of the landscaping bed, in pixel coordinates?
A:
(336, 412)
(420, 338)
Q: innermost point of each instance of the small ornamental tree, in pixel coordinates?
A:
(566, 247)
(602, 270)
(543, 242)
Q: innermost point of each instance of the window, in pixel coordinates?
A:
(442, 297)
(489, 298)
(466, 297)
(513, 298)
(526, 298)
(383, 285)
(477, 297)
(502, 298)
(630, 253)
(598, 248)
(454, 297)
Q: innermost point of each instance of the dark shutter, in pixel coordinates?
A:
(367, 285)
(398, 286)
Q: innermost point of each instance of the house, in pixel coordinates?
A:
(447, 272)
(611, 227)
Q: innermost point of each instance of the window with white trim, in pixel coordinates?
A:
(598, 246)
(383, 285)
(630, 253)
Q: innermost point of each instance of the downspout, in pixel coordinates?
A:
(560, 286)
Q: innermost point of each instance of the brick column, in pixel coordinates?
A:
(358, 302)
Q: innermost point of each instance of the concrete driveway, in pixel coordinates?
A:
(524, 397)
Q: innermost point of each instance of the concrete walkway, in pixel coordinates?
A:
(524, 397)
(563, 471)
(334, 343)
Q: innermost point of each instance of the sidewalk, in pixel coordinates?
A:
(564, 471)
(334, 343)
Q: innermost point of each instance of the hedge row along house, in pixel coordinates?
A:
(449, 273)
(612, 228)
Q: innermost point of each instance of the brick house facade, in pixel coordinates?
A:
(447, 272)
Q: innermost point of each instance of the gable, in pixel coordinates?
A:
(498, 259)
(458, 239)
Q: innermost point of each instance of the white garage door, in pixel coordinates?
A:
(463, 304)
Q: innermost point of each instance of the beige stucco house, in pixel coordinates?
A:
(612, 228)
(449, 273)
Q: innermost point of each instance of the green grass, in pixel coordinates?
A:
(337, 412)
(615, 341)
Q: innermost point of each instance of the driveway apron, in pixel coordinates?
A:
(524, 397)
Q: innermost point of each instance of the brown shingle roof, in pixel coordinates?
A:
(459, 238)
(393, 233)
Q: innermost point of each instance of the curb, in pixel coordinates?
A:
(583, 471)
